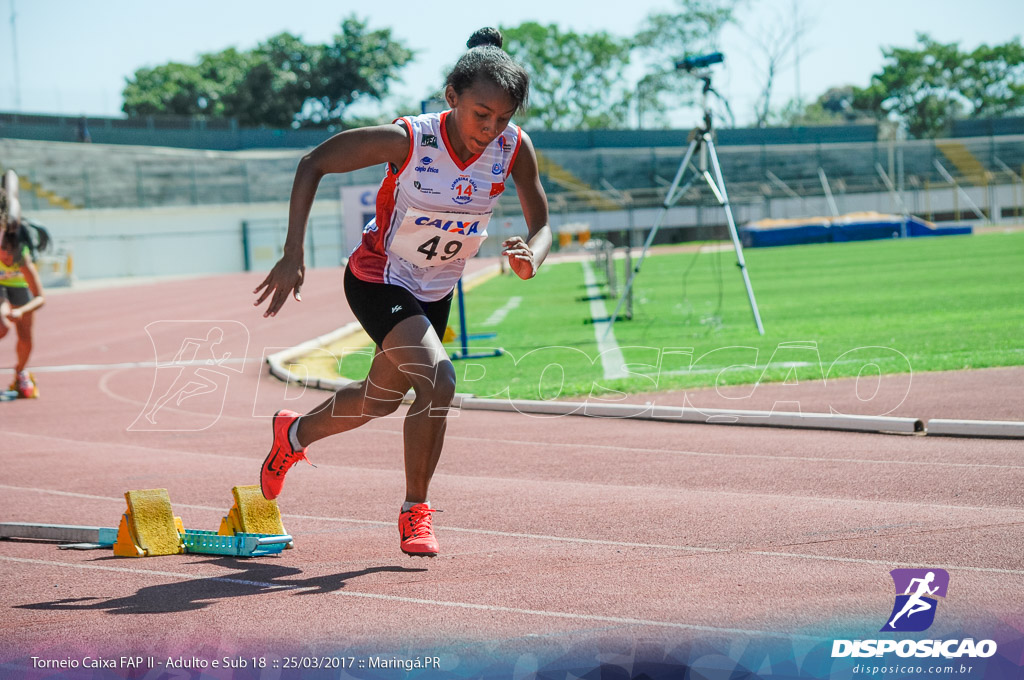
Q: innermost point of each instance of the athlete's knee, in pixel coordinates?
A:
(440, 390)
(446, 381)
(380, 407)
(378, 401)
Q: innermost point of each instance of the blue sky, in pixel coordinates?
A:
(73, 56)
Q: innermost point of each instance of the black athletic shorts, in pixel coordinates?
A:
(17, 296)
(380, 306)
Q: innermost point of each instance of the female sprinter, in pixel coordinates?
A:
(21, 292)
(445, 171)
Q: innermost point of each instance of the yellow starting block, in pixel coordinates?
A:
(252, 514)
(148, 527)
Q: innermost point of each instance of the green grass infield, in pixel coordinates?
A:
(829, 311)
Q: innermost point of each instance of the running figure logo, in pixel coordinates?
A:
(199, 373)
(915, 605)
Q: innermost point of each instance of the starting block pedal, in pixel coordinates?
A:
(148, 527)
(252, 514)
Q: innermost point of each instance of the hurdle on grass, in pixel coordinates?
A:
(465, 336)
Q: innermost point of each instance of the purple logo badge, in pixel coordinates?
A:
(914, 609)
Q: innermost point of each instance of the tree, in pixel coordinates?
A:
(993, 81)
(356, 64)
(778, 42)
(270, 84)
(575, 78)
(171, 89)
(282, 82)
(930, 86)
(664, 39)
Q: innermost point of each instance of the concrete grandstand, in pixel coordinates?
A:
(144, 175)
(596, 170)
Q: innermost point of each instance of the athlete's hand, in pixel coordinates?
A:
(14, 314)
(286, 277)
(520, 257)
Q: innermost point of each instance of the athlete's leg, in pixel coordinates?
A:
(5, 309)
(414, 348)
(24, 328)
(379, 394)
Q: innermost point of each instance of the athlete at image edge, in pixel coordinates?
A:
(480, 112)
(19, 311)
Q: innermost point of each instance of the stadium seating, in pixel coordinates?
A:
(119, 176)
(574, 175)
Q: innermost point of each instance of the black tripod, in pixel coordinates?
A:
(701, 139)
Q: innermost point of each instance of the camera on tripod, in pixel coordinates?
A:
(701, 61)
(701, 141)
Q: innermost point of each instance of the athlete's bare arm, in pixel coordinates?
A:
(344, 152)
(525, 257)
(35, 284)
(10, 184)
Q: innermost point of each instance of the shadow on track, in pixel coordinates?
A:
(199, 593)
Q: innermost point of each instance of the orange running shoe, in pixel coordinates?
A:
(281, 457)
(414, 526)
(25, 385)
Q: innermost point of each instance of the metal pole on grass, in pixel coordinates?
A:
(465, 337)
(740, 262)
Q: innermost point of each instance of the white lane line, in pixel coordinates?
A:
(576, 483)
(499, 314)
(547, 445)
(712, 454)
(70, 368)
(573, 616)
(369, 522)
(105, 389)
(640, 487)
(590, 541)
(854, 560)
(583, 541)
(612, 361)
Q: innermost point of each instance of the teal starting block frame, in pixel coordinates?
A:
(240, 545)
(195, 541)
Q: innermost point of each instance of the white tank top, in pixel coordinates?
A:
(432, 213)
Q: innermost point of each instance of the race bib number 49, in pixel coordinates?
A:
(431, 239)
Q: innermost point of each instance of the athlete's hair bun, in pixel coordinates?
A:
(485, 36)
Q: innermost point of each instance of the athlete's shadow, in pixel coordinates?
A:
(248, 578)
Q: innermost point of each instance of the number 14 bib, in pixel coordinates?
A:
(431, 239)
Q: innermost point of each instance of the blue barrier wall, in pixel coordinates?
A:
(845, 231)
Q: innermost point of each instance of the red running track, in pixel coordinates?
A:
(555, 531)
